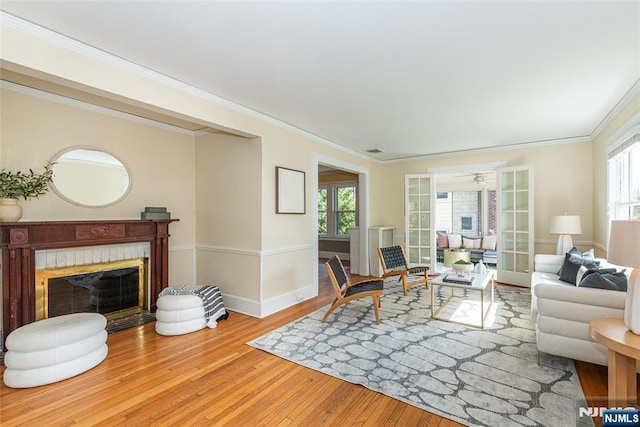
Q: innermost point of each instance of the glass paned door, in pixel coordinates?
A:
(515, 225)
(419, 236)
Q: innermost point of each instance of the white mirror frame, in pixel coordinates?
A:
(79, 203)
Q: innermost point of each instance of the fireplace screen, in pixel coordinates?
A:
(109, 288)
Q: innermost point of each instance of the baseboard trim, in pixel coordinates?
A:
(287, 300)
(256, 309)
(327, 254)
(241, 305)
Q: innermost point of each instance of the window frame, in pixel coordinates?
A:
(332, 208)
(619, 180)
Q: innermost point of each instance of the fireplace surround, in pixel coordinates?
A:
(19, 242)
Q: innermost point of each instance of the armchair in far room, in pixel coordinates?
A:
(394, 263)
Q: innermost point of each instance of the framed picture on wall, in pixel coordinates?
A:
(290, 191)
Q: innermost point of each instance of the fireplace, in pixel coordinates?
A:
(31, 246)
(114, 289)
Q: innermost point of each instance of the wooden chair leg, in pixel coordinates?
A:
(404, 285)
(375, 308)
(333, 307)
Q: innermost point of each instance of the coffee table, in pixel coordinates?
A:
(479, 284)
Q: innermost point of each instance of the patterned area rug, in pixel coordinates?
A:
(476, 377)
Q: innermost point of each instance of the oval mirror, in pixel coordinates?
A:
(90, 177)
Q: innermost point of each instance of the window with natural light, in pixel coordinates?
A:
(337, 209)
(624, 183)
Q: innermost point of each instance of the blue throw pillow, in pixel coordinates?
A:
(611, 281)
(572, 264)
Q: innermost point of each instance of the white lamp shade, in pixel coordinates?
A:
(565, 224)
(624, 243)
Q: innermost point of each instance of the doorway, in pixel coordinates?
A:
(348, 180)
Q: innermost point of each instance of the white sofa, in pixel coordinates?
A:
(561, 312)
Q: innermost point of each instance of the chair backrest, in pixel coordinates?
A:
(392, 257)
(338, 276)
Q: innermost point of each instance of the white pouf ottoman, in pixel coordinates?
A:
(179, 314)
(54, 349)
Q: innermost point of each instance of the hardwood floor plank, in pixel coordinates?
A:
(211, 377)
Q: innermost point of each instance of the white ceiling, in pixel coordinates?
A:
(411, 78)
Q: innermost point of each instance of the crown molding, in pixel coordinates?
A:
(65, 42)
(632, 92)
(516, 146)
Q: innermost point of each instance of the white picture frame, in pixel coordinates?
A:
(290, 191)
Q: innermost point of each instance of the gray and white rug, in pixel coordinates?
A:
(475, 377)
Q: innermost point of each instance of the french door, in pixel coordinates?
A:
(515, 225)
(419, 219)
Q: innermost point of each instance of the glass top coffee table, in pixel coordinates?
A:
(460, 288)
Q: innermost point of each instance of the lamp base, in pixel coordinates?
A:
(565, 243)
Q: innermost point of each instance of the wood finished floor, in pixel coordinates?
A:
(211, 377)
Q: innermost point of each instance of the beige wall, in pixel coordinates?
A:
(562, 183)
(275, 253)
(229, 208)
(161, 161)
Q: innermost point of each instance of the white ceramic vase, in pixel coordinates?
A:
(10, 210)
(632, 303)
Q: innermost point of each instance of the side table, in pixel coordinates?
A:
(624, 349)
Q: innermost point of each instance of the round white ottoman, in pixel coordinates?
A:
(54, 349)
(179, 314)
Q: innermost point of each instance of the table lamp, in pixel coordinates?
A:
(624, 250)
(565, 226)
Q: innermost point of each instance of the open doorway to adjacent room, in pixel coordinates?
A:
(338, 213)
(466, 205)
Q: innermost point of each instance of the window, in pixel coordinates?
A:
(466, 222)
(337, 209)
(624, 181)
(322, 211)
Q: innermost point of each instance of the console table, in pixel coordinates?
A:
(20, 240)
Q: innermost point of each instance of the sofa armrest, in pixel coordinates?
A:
(578, 295)
(547, 263)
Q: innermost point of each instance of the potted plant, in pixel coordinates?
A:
(461, 266)
(21, 185)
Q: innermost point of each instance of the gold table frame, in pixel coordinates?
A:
(479, 284)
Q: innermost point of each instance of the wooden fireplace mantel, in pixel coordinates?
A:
(20, 240)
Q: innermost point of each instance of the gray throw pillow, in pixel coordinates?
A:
(572, 251)
(611, 281)
(572, 264)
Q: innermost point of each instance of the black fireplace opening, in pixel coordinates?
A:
(101, 292)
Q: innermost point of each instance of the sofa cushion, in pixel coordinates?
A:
(443, 240)
(455, 240)
(572, 264)
(610, 281)
(489, 243)
(472, 242)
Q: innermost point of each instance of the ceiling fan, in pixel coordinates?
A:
(478, 178)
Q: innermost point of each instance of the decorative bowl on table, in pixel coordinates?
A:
(462, 267)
